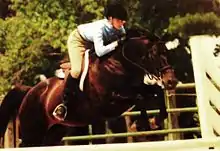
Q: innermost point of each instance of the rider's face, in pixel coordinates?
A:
(117, 23)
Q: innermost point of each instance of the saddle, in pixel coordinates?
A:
(65, 68)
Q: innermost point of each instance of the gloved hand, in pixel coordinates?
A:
(121, 40)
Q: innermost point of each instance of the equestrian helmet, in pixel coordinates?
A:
(116, 10)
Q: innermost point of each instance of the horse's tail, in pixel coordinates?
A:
(10, 105)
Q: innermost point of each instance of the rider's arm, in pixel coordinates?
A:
(100, 48)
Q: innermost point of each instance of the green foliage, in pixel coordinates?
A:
(24, 38)
(195, 24)
(22, 54)
(156, 13)
(40, 28)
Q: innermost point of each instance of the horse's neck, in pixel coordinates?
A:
(105, 76)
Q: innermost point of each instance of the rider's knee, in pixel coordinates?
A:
(75, 73)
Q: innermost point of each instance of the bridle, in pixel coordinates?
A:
(150, 76)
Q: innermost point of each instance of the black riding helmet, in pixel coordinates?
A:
(115, 10)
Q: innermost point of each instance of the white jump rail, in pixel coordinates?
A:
(177, 145)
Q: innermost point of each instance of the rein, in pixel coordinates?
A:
(150, 76)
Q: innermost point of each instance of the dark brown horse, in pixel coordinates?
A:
(109, 89)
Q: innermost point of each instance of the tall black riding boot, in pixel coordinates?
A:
(71, 89)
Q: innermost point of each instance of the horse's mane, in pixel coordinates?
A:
(134, 32)
(131, 33)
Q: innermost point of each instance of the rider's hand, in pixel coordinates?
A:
(153, 81)
(149, 81)
(121, 40)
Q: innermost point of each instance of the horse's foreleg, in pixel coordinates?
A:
(143, 121)
(99, 128)
(159, 119)
(118, 125)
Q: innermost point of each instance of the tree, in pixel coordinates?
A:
(37, 26)
(33, 39)
(195, 24)
(156, 14)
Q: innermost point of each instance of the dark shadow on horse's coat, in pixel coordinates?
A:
(111, 84)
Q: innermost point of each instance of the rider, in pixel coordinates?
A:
(105, 35)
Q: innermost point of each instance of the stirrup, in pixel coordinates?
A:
(57, 116)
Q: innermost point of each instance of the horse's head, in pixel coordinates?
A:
(150, 57)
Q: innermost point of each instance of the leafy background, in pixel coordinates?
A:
(33, 33)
